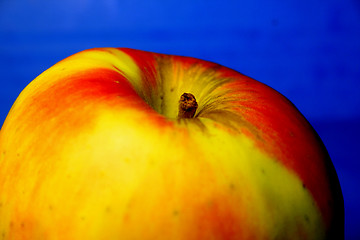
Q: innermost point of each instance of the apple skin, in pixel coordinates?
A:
(92, 149)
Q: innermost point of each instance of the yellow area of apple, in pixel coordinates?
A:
(126, 180)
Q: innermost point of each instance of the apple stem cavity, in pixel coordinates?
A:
(187, 106)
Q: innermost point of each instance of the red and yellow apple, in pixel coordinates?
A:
(96, 148)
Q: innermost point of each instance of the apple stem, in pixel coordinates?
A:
(187, 106)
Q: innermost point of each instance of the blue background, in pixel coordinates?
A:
(307, 50)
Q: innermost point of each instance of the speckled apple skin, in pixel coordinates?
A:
(92, 149)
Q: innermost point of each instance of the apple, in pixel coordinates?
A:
(115, 143)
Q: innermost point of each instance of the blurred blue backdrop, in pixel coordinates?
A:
(307, 50)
